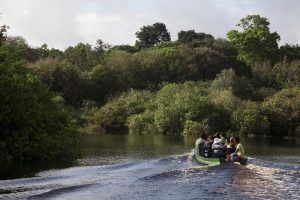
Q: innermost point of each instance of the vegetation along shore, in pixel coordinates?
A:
(49, 98)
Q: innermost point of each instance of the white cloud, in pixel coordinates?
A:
(61, 23)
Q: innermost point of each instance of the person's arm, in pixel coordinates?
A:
(237, 149)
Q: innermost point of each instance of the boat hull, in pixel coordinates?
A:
(209, 161)
(218, 161)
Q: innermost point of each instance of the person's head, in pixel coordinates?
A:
(237, 139)
(232, 140)
(228, 140)
(203, 136)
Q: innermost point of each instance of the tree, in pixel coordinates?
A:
(290, 52)
(151, 35)
(101, 48)
(255, 43)
(195, 39)
(3, 31)
(81, 55)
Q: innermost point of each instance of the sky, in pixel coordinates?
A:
(63, 23)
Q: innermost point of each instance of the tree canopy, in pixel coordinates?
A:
(152, 35)
(195, 39)
(255, 43)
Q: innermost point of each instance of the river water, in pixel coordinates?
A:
(157, 167)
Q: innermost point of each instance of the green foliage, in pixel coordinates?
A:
(263, 75)
(112, 117)
(152, 35)
(289, 52)
(177, 103)
(287, 74)
(142, 123)
(255, 43)
(3, 34)
(196, 128)
(228, 80)
(32, 125)
(283, 111)
(126, 48)
(195, 39)
(102, 81)
(107, 89)
(248, 119)
(60, 76)
(259, 94)
(88, 111)
(82, 56)
(45, 52)
(226, 99)
(201, 63)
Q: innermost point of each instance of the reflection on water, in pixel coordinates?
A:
(158, 167)
(109, 149)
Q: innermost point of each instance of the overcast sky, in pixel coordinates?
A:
(63, 23)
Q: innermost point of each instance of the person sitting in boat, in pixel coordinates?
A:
(207, 147)
(218, 148)
(216, 135)
(199, 145)
(239, 152)
(223, 138)
(230, 145)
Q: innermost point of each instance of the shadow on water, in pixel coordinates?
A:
(28, 169)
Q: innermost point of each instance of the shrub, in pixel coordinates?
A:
(112, 117)
(283, 111)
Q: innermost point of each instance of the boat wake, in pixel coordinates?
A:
(172, 177)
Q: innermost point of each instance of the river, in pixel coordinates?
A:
(157, 167)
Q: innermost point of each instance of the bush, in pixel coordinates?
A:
(248, 119)
(112, 117)
(177, 103)
(283, 111)
(228, 80)
(196, 128)
(142, 123)
(287, 74)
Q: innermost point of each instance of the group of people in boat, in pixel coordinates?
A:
(220, 146)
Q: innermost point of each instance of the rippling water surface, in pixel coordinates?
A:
(128, 167)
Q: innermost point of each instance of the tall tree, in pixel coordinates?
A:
(3, 31)
(151, 35)
(101, 48)
(255, 43)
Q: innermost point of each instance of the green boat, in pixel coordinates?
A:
(209, 161)
(217, 161)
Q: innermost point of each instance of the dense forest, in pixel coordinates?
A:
(246, 84)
